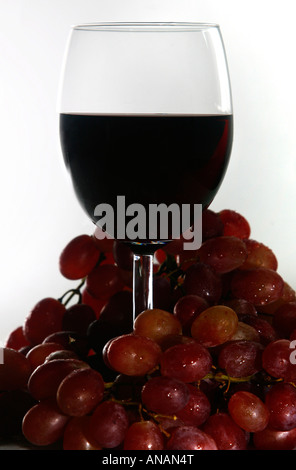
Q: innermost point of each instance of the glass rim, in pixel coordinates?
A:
(145, 26)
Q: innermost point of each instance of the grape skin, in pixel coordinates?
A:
(259, 255)
(45, 318)
(248, 411)
(15, 370)
(187, 308)
(108, 424)
(76, 435)
(223, 254)
(271, 439)
(200, 279)
(276, 358)
(215, 325)
(165, 395)
(143, 435)
(259, 286)
(241, 358)
(80, 392)
(46, 378)
(133, 354)
(44, 423)
(190, 438)
(79, 257)
(226, 433)
(281, 402)
(197, 410)
(186, 362)
(234, 224)
(156, 324)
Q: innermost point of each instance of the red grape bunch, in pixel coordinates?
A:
(210, 367)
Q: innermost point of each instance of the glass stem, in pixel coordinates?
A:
(142, 283)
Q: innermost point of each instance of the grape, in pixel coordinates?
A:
(123, 255)
(190, 438)
(15, 370)
(78, 317)
(70, 340)
(212, 225)
(245, 332)
(80, 392)
(46, 378)
(234, 224)
(225, 432)
(165, 395)
(248, 411)
(259, 256)
(197, 410)
(276, 359)
(79, 257)
(284, 319)
(215, 325)
(281, 402)
(241, 307)
(288, 295)
(186, 258)
(160, 257)
(100, 332)
(240, 358)
(200, 279)
(104, 281)
(266, 331)
(187, 308)
(115, 319)
(61, 354)
(126, 387)
(156, 324)
(271, 439)
(96, 362)
(40, 352)
(14, 404)
(76, 435)
(143, 435)
(162, 293)
(108, 424)
(117, 313)
(172, 340)
(16, 339)
(95, 304)
(44, 423)
(132, 354)
(45, 318)
(103, 240)
(119, 309)
(223, 254)
(259, 286)
(186, 362)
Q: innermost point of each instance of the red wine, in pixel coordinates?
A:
(147, 159)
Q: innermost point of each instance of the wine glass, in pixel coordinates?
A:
(146, 131)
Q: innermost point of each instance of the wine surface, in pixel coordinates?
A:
(148, 159)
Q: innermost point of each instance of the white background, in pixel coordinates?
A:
(39, 213)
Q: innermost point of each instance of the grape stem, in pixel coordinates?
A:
(72, 293)
(155, 417)
(220, 377)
